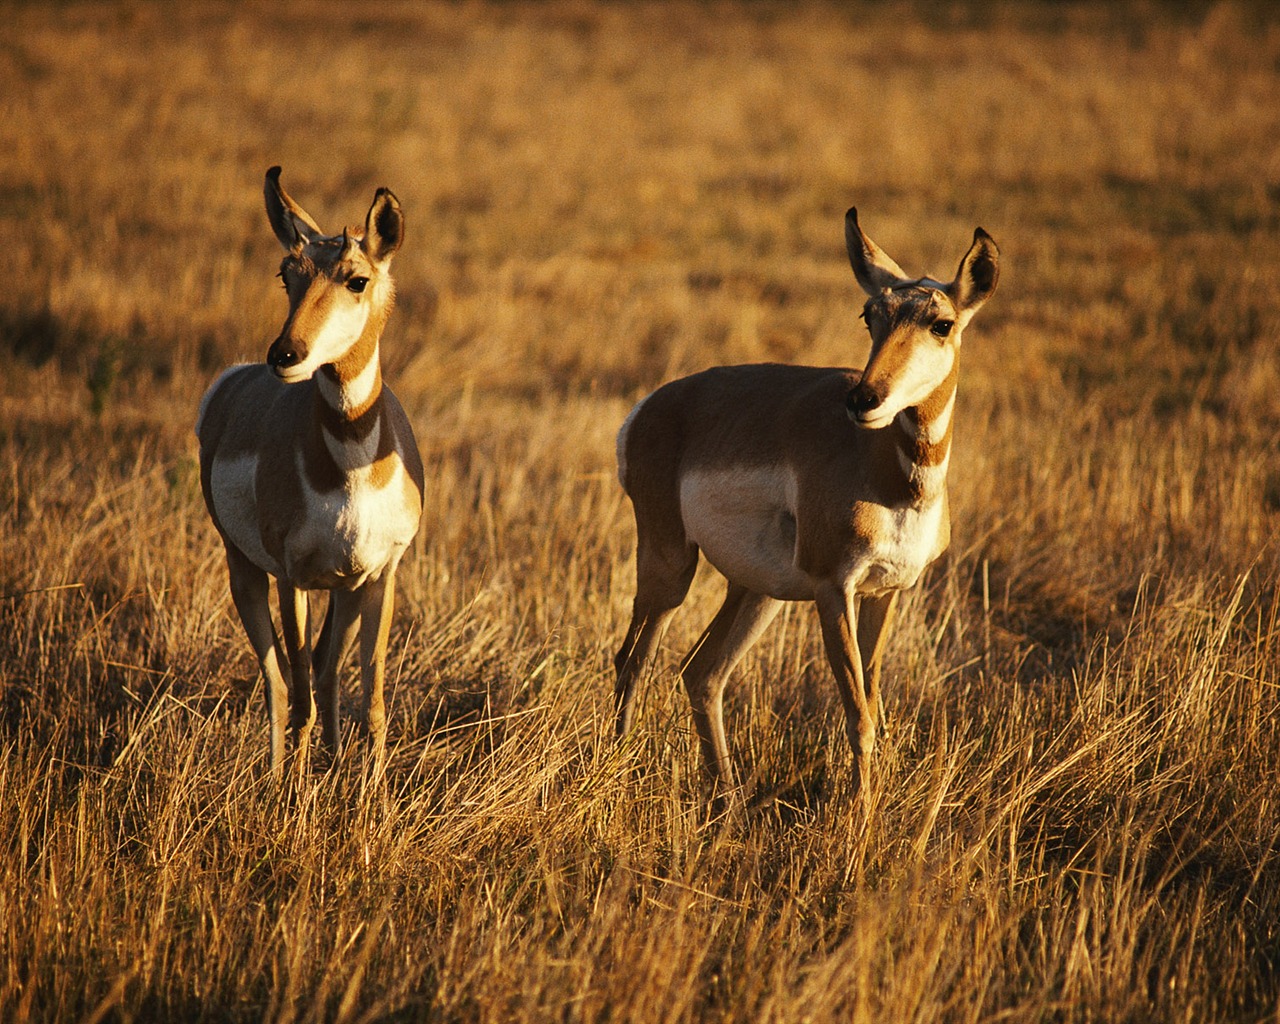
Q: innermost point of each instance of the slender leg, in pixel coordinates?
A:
(340, 623)
(637, 651)
(295, 622)
(249, 593)
(737, 625)
(875, 619)
(839, 635)
(377, 601)
(321, 651)
(663, 575)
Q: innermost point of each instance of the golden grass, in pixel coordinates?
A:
(1077, 818)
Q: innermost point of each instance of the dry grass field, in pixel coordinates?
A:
(1077, 815)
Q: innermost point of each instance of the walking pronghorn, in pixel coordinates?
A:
(801, 484)
(311, 472)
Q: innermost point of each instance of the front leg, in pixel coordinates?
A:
(875, 616)
(377, 602)
(295, 621)
(336, 637)
(250, 591)
(838, 616)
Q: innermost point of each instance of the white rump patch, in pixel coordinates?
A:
(623, 431)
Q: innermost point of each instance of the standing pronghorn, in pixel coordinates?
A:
(801, 484)
(311, 472)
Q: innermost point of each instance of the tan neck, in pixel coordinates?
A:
(349, 403)
(924, 443)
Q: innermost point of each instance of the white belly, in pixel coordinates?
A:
(744, 522)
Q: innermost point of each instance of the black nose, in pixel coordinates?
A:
(282, 355)
(860, 401)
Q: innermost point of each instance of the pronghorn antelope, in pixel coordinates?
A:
(311, 473)
(801, 484)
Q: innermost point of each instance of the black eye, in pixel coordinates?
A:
(356, 284)
(941, 328)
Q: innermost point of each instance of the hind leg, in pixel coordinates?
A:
(664, 570)
(742, 617)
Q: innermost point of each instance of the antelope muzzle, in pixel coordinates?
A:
(862, 402)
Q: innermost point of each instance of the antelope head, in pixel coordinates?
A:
(339, 286)
(915, 323)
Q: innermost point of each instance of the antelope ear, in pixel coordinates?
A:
(979, 271)
(291, 223)
(383, 227)
(872, 266)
